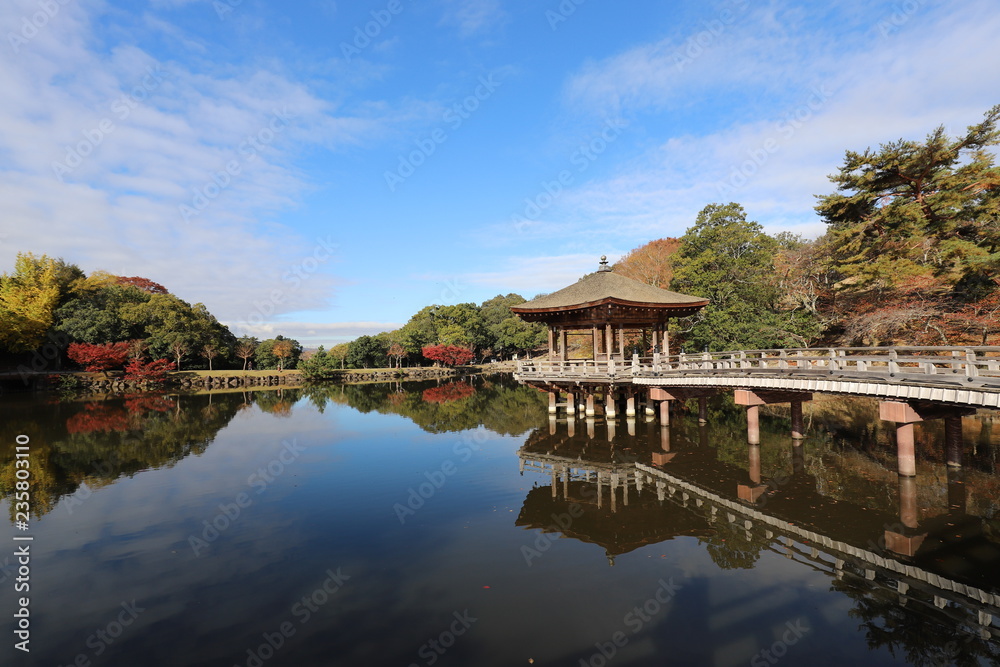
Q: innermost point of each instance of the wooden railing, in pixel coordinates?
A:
(978, 366)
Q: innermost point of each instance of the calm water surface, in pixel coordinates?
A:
(457, 524)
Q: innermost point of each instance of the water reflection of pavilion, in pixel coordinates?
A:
(624, 493)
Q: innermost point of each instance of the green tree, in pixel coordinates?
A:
(266, 358)
(918, 210)
(96, 314)
(319, 366)
(367, 352)
(730, 261)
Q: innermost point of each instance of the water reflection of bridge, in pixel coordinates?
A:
(618, 498)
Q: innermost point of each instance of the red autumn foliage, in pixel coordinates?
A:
(98, 417)
(140, 404)
(449, 355)
(148, 371)
(96, 358)
(145, 284)
(453, 391)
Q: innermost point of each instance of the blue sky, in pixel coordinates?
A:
(325, 169)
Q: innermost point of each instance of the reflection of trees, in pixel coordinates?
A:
(96, 442)
(921, 632)
(498, 403)
(278, 402)
(450, 391)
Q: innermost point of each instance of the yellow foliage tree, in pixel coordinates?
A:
(28, 298)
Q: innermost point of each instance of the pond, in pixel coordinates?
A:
(457, 523)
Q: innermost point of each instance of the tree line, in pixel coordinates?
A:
(52, 312)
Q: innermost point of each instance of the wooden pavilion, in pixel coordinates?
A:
(605, 306)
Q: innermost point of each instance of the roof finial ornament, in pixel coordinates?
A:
(604, 264)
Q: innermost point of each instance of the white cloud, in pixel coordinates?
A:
(116, 160)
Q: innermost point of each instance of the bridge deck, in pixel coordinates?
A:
(965, 375)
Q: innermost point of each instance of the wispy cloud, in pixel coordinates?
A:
(474, 16)
(313, 333)
(829, 94)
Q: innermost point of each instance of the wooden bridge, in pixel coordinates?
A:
(967, 376)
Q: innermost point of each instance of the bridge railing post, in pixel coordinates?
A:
(782, 359)
(832, 360)
(971, 370)
(635, 363)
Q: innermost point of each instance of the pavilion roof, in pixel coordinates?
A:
(606, 285)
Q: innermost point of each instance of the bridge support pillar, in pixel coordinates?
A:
(907, 540)
(753, 424)
(753, 491)
(664, 413)
(797, 431)
(647, 403)
(953, 439)
(553, 398)
(590, 404)
(702, 410)
(956, 490)
(610, 409)
(570, 403)
(630, 404)
(905, 415)
(664, 457)
(753, 399)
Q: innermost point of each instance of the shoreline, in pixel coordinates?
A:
(17, 383)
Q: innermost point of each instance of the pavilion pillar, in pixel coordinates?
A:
(656, 338)
(621, 341)
(609, 340)
(552, 344)
(596, 343)
(666, 340)
(562, 344)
